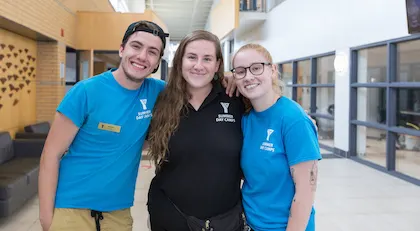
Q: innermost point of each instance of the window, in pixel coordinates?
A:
(385, 114)
(286, 77)
(371, 65)
(371, 145)
(304, 77)
(325, 101)
(408, 57)
(408, 108)
(313, 89)
(325, 97)
(304, 97)
(371, 105)
(252, 5)
(371, 101)
(304, 72)
(325, 72)
(408, 154)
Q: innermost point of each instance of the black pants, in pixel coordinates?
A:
(166, 219)
(163, 215)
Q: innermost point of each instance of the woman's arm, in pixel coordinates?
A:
(305, 178)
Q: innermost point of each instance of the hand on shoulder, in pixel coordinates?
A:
(228, 82)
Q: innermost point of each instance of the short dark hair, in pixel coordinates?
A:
(146, 26)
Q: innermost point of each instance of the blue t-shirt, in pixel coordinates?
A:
(100, 169)
(274, 140)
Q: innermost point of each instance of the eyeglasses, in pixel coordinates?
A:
(255, 69)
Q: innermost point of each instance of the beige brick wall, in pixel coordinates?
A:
(50, 87)
(47, 17)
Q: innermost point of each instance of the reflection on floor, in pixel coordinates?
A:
(323, 151)
(327, 142)
(407, 161)
(350, 197)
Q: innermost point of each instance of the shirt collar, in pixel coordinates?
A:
(216, 90)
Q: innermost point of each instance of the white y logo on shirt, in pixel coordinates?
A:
(267, 145)
(269, 132)
(143, 103)
(145, 113)
(225, 117)
(225, 107)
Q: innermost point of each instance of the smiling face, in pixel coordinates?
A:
(257, 82)
(140, 55)
(199, 63)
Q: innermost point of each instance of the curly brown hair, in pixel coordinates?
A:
(173, 100)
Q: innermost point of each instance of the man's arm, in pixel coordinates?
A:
(60, 136)
(305, 176)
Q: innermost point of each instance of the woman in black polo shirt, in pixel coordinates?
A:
(195, 141)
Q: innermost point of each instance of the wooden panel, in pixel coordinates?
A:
(224, 17)
(52, 18)
(99, 67)
(86, 56)
(93, 27)
(18, 70)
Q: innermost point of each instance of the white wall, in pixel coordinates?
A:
(226, 55)
(342, 100)
(299, 28)
(136, 6)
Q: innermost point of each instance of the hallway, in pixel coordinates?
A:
(350, 197)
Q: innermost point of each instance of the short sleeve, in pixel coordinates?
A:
(74, 104)
(160, 85)
(301, 142)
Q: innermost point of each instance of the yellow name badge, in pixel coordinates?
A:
(109, 127)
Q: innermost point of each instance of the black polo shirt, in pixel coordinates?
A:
(202, 175)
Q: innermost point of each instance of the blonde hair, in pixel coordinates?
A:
(277, 83)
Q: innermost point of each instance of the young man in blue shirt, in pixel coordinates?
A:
(102, 122)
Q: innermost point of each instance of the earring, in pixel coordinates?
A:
(216, 77)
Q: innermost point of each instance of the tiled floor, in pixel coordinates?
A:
(350, 197)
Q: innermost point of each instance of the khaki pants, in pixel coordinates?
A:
(81, 220)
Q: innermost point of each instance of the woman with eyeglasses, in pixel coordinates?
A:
(280, 151)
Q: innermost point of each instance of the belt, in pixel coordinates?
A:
(98, 216)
